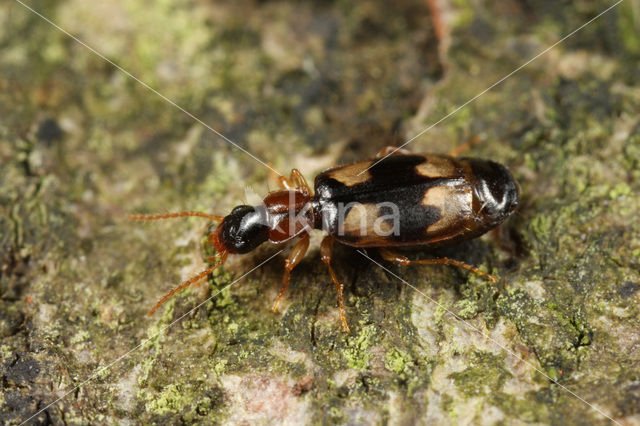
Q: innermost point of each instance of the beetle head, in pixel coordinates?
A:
(244, 229)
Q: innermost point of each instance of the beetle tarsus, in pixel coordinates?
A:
(399, 259)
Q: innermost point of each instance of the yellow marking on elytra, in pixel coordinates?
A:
(360, 219)
(437, 167)
(352, 174)
(454, 203)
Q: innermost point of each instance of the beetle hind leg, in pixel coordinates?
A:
(399, 259)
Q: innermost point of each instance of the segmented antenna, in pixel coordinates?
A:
(222, 258)
(144, 217)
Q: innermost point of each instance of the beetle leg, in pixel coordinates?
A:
(326, 250)
(285, 183)
(392, 149)
(465, 146)
(394, 257)
(300, 181)
(295, 181)
(439, 27)
(298, 252)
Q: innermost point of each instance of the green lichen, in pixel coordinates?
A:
(356, 352)
(629, 25)
(170, 400)
(220, 367)
(621, 189)
(398, 361)
(541, 225)
(485, 375)
(80, 337)
(466, 308)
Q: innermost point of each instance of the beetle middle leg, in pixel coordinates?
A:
(326, 250)
(399, 259)
(298, 252)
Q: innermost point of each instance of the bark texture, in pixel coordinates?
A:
(310, 85)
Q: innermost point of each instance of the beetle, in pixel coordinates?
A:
(406, 199)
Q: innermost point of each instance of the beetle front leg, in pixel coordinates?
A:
(300, 182)
(298, 252)
(295, 181)
(326, 250)
(399, 259)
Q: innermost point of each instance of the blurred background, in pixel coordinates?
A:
(310, 85)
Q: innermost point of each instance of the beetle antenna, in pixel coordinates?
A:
(144, 217)
(222, 257)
